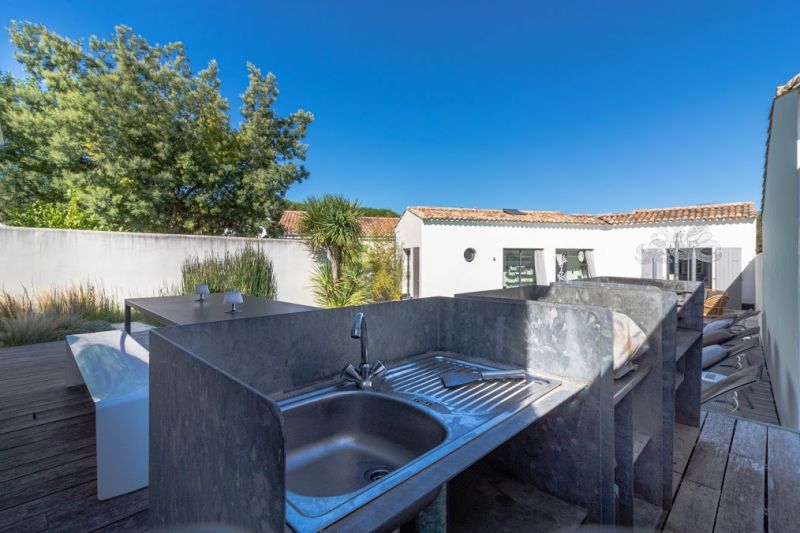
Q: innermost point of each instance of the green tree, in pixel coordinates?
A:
(129, 133)
(331, 225)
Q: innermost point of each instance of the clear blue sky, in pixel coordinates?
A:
(577, 106)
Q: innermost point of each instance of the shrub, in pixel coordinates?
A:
(50, 315)
(384, 272)
(349, 289)
(248, 271)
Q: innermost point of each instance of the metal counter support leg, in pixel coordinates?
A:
(127, 319)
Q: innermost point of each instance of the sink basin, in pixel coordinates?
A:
(347, 440)
(345, 447)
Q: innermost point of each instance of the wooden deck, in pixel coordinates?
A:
(48, 478)
(730, 475)
(735, 475)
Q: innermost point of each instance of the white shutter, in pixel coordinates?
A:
(727, 273)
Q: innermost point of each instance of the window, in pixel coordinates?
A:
(690, 264)
(518, 267)
(572, 264)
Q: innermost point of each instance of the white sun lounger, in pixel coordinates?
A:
(115, 369)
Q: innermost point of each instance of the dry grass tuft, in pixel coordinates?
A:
(50, 315)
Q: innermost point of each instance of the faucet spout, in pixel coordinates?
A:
(366, 372)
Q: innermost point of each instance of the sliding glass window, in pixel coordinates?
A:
(518, 267)
(572, 264)
(690, 264)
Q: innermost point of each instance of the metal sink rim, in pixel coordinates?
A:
(458, 435)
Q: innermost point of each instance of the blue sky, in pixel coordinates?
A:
(576, 106)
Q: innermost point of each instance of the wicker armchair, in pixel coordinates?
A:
(715, 304)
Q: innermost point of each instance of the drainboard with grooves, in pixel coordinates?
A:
(422, 380)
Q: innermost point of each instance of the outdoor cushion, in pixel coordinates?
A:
(629, 343)
(722, 323)
(713, 354)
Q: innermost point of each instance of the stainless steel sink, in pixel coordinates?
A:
(347, 440)
(345, 446)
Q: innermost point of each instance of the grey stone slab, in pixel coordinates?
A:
(283, 352)
(182, 310)
(216, 446)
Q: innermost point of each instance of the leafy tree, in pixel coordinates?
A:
(331, 225)
(130, 134)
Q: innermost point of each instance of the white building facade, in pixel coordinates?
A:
(450, 250)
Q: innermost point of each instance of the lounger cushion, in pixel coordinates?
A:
(629, 343)
(713, 354)
(722, 323)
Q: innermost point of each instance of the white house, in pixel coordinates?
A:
(453, 250)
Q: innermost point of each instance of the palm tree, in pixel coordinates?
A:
(331, 225)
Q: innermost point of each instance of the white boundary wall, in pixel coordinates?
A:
(134, 264)
(780, 335)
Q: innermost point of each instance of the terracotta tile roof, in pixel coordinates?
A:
(371, 226)
(708, 212)
(498, 215)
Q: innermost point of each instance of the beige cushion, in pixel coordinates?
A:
(629, 343)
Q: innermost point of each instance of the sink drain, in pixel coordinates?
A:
(376, 473)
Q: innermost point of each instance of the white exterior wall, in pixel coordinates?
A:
(780, 273)
(444, 271)
(134, 264)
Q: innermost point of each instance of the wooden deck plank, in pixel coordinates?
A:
(707, 464)
(39, 506)
(783, 471)
(24, 436)
(750, 440)
(741, 505)
(92, 514)
(51, 461)
(19, 490)
(48, 478)
(693, 510)
(137, 523)
(684, 438)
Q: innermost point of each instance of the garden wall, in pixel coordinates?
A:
(133, 264)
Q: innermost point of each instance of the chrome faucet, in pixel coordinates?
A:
(364, 375)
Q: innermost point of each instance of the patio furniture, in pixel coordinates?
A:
(729, 321)
(183, 310)
(115, 369)
(714, 305)
(716, 384)
(716, 353)
(725, 336)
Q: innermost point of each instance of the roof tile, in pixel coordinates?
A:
(370, 226)
(707, 212)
